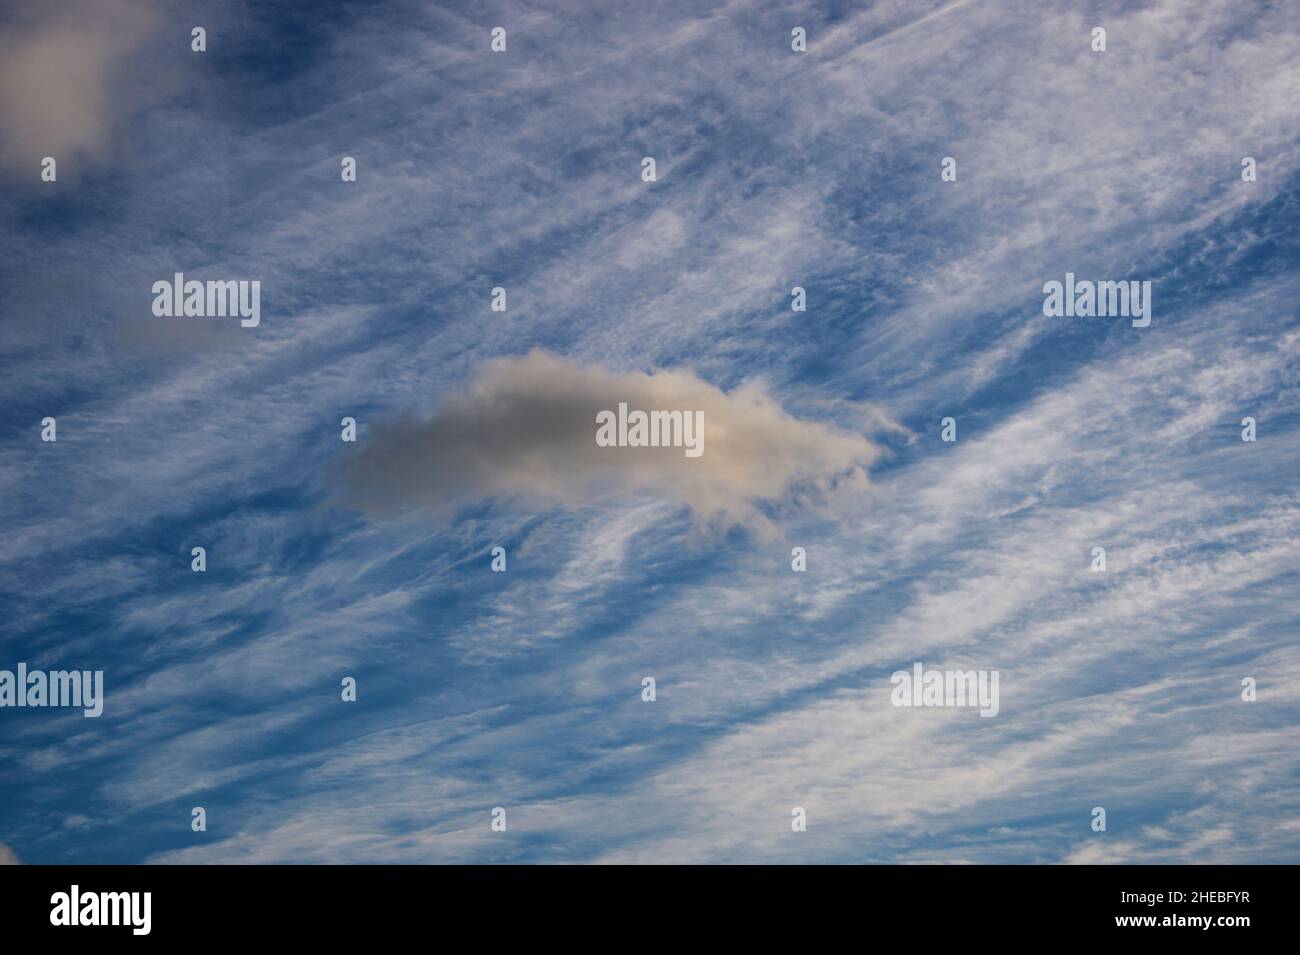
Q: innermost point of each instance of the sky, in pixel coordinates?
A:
(522, 689)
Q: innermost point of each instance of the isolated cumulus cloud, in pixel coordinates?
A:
(8, 856)
(526, 427)
(64, 81)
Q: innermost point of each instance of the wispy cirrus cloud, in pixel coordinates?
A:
(522, 689)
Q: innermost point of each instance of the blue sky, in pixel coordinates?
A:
(523, 689)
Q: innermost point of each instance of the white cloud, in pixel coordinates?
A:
(526, 427)
(62, 80)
